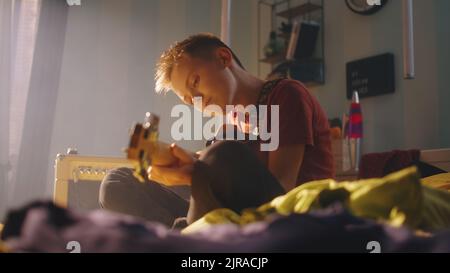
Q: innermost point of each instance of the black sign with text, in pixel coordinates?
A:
(372, 76)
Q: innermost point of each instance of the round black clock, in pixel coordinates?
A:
(365, 7)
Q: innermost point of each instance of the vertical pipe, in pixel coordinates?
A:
(258, 34)
(408, 40)
(322, 29)
(225, 22)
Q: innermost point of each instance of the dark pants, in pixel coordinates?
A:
(227, 175)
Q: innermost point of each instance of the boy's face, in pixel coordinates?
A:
(209, 79)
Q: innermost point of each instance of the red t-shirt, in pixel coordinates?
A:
(302, 121)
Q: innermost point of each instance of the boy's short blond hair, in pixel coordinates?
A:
(198, 45)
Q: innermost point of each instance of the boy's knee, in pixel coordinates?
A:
(113, 187)
(226, 148)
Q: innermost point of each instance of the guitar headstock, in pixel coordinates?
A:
(143, 139)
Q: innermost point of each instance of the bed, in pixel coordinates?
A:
(78, 177)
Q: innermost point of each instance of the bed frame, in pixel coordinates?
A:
(439, 158)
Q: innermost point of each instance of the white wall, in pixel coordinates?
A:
(107, 72)
(410, 118)
(112, 45)
(418, 114)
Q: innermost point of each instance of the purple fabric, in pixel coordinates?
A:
(43, 227)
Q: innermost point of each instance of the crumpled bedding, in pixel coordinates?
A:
(43, 227)
(399, 199)
(438, 181)
(321, 216)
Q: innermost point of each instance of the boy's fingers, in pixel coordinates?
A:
(171, 176)
(181, 153)
(154, 176)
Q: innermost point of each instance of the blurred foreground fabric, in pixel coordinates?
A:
(43, 227)
(398, 212)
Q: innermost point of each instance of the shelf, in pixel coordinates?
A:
(312, 84)
(282, 58)
(310, 71)
(299, 10)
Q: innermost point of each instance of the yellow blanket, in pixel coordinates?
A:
(399, 199)
(439, 181)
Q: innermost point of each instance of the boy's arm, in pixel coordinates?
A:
(285, 163)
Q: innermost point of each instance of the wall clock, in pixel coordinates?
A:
(365, 7)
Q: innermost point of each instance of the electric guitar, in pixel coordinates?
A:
(144, 149)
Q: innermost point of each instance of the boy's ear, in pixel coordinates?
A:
(225, 56)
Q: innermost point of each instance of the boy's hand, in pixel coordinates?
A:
(177, 174)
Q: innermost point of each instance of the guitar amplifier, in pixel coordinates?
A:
(78, 178)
